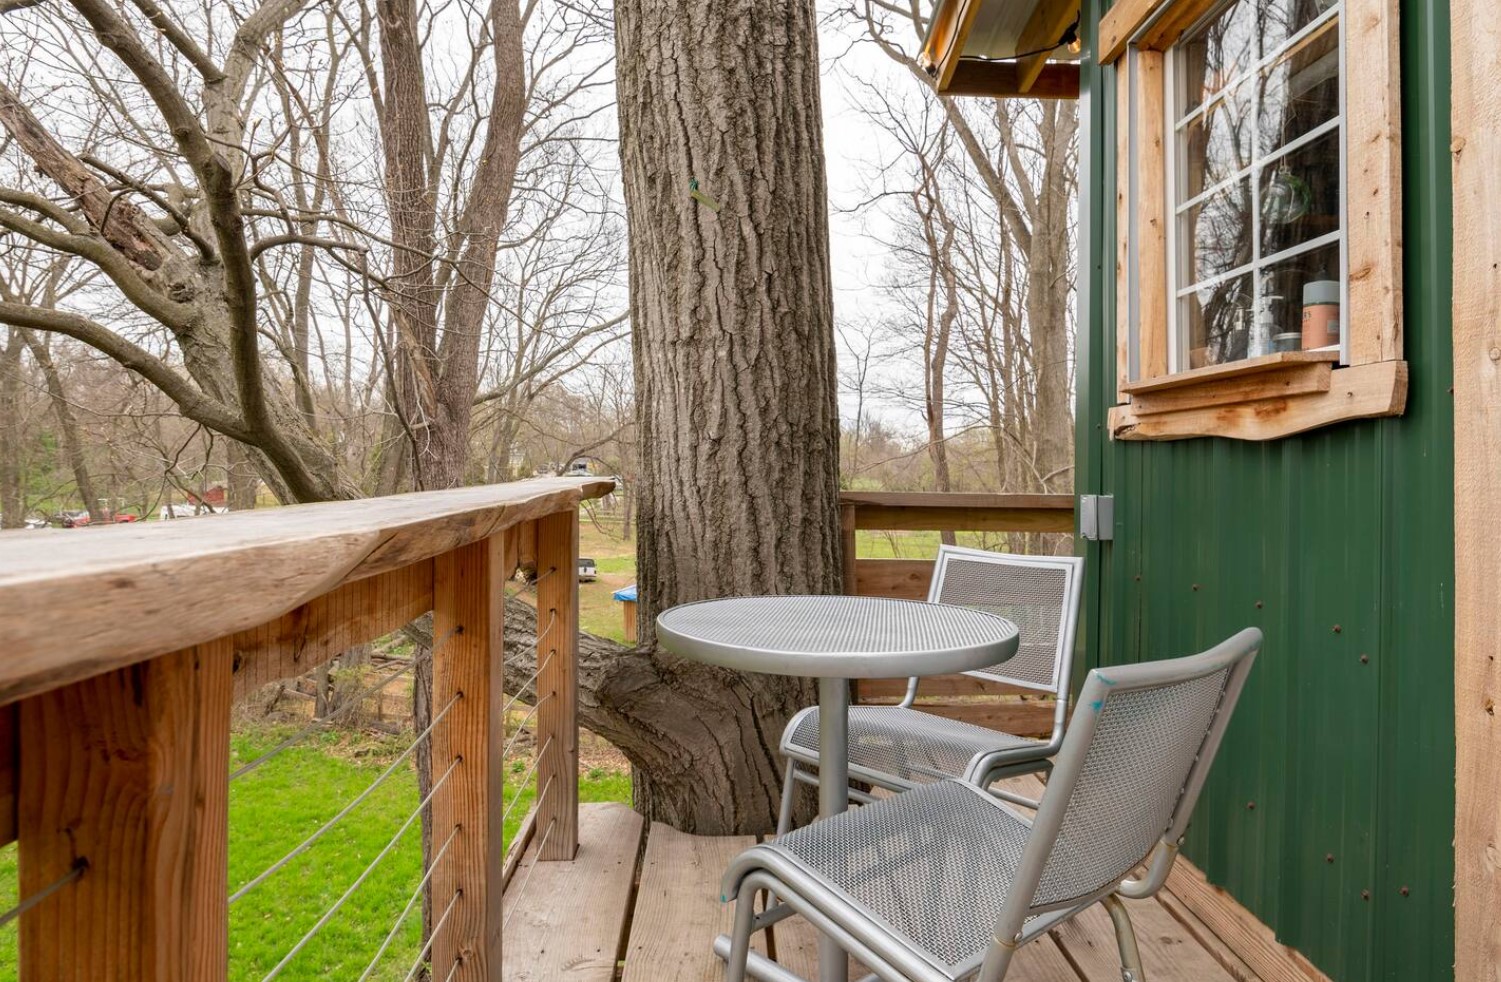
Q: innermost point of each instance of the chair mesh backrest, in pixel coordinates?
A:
(1033, 593)
(1130, 783)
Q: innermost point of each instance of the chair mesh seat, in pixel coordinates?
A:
(934, 865)
(913, 746)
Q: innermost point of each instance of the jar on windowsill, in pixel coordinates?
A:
(1320, 314)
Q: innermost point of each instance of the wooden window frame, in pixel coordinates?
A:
(1281, 394)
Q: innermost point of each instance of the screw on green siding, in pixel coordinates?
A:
(1333, 792)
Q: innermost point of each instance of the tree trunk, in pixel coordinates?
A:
(243, 479)
(735, 379)
(12, 501)
(1048, 298)
(67, 424)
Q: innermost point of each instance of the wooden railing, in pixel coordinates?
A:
(958, 696)
(122, 653)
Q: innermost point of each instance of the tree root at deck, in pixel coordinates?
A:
(702, 741)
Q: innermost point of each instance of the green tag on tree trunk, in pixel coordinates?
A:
(701, 197)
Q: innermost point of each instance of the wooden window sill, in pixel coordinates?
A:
(1259, 399)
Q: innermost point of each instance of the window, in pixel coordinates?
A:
(1256, 242)
(1237, 311)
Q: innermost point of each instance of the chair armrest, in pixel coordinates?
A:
(1161, 864)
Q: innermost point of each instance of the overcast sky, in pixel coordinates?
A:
(853, 148)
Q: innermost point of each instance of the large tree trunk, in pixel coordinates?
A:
(12, 501)
(67, 424)
(735, 382)
(1048, 297)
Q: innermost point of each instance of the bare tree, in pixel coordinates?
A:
(1020, 157)
(731, 314)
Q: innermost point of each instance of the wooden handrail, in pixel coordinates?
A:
(939, 511)
(76, 605)
(124, 651)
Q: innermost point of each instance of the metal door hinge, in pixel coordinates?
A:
(1097, 517)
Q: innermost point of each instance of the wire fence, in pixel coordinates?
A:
(338, 856)
(398, 934)
(269, 771)
(73, 875)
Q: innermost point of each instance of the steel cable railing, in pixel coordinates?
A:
(525, 722)
(505, 711)
(543, 662)
(73, 875)
(364, 875)
(323, 723)
(428, 947)
(354, 701)
(519, 897)
(525, 781)
(542, 665)
(323, 830)
(407, 910)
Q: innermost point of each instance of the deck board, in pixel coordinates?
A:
(569, 917)
(678, 912)
(796, 943)
(576, 914)
(1168, 952)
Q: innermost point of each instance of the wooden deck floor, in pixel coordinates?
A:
(641, 905)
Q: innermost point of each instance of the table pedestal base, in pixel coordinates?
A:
(833, 794)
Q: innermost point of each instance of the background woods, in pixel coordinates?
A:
(365, 370)
(260, 253)
(324, 235)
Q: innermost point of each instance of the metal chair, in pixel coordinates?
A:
(947, 881)
(901, 747)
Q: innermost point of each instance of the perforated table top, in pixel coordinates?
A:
(837, 637)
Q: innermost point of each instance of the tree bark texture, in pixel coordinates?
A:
(67, 424)
(437, 373)
(732, 317)
(12, 501)
(1048, 297)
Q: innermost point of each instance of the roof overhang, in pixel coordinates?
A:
(1003, 48)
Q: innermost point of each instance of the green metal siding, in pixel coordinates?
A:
(1330, 812)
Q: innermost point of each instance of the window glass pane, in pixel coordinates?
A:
(1217, 144)
(1300, 302)
(1243, 93)
(1278, 20)
(1300, 195)
(1223, 48)
(1300, 90)
(1217, 232)
(1218, 321)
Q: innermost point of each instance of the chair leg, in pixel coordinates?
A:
(789, 795)
(997, 961)
(1125, 937)
(745, 915)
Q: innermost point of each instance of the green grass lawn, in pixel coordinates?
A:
(615, 558)
(276, 806)
(920, 545)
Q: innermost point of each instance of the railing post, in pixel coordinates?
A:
(847, 547)
(468, 662)
(129, 772)
(557, 685)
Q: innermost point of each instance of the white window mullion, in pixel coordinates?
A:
(1176, 162)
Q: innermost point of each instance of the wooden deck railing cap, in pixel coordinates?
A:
(77, 603)
(956, 499)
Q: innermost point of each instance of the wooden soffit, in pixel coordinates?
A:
(1003, 48)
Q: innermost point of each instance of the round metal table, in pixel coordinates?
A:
(835, 639)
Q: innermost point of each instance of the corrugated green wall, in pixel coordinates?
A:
(1330, 812)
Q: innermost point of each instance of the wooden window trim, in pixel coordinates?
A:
(1257, 399)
